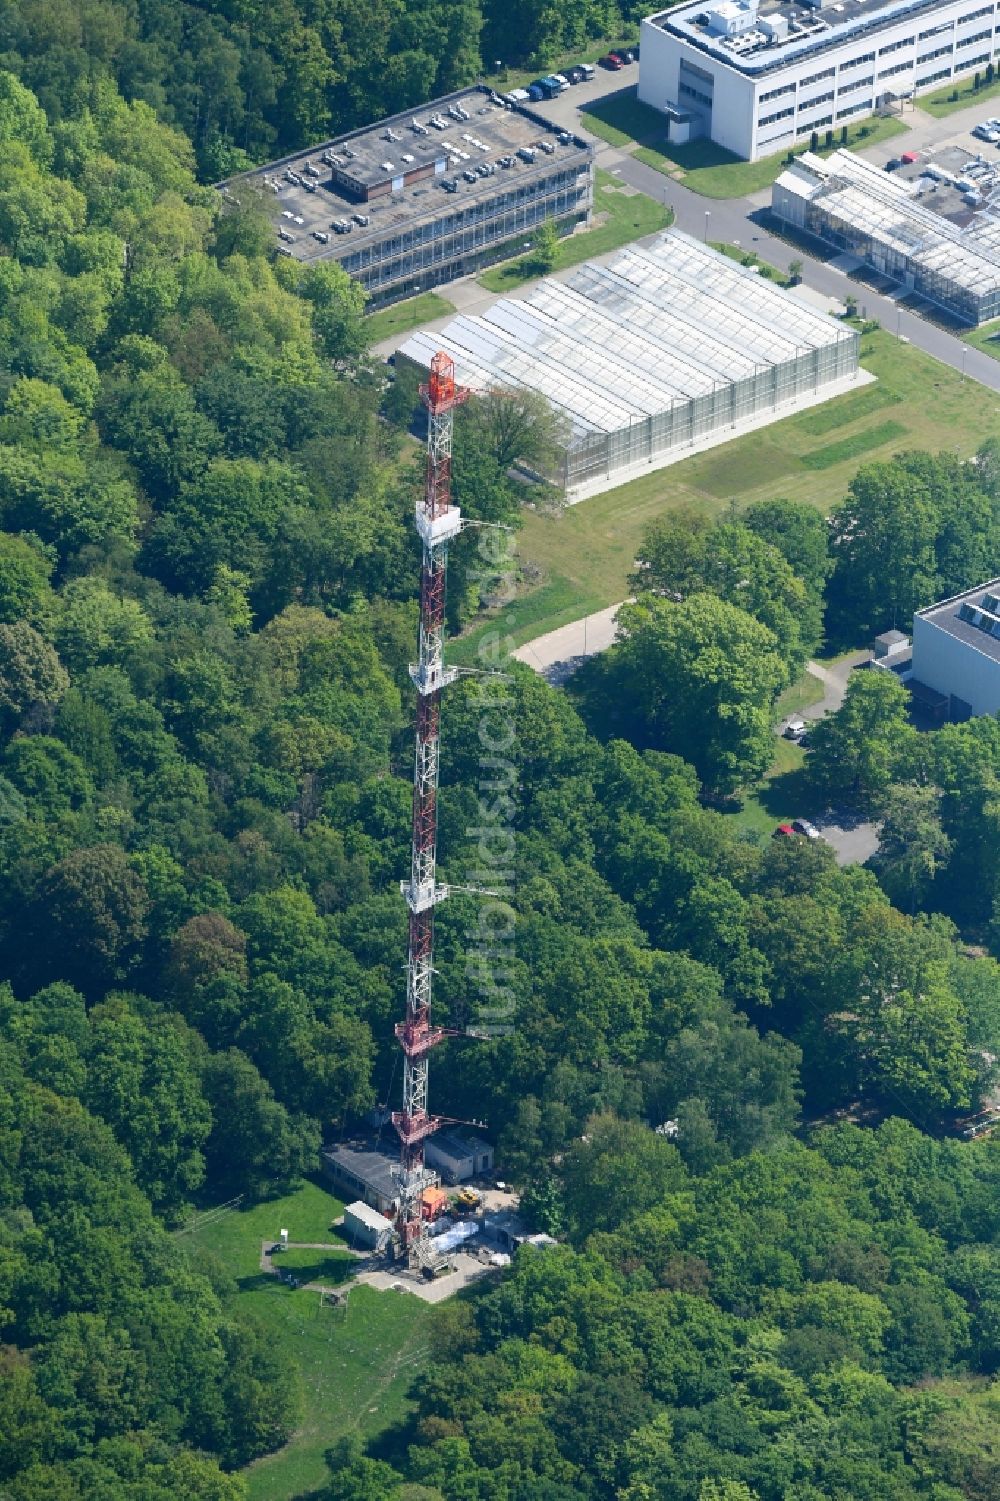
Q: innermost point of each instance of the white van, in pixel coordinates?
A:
(587, 69)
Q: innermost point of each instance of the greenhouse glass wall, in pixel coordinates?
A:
(662, 349)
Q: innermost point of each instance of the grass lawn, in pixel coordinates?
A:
(703, 166)
(942, 103)
(356, 1364)
(806, 690)
(329, 1267)
(985, 338)
(583, 556)
(779, 798)
(402, 316)
(630, 216)
(746, 257)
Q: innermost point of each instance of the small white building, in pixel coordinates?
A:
(458, 1158)
(956, 651)
(892, 652)
(364, 1226)
(760, 75)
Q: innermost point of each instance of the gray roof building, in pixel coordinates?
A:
(427, 195)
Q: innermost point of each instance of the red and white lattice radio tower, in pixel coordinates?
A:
(438, 522)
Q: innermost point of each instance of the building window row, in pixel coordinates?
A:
(815, 125)
(781, 114)
(933, 77)
(812, 103)
(786, 88)
(855, 62)
(926, 57)
(935, 31)
(973, 62)
(853, 109)
(906, 41)
(974, 15)
(899, 68)
(816, 77)
(978, 36)
(858, 83)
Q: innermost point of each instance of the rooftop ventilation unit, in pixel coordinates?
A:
(387, 166)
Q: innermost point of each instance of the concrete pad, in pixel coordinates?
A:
(821, 300)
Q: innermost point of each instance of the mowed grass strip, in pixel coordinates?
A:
(630, 216)
(402, 316)
(826, 419)
(986, 338)
(584, 555)
(356, 1364)
(853, 447)
(966, 94)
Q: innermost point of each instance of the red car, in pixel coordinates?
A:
(612, 62)
(784, 829)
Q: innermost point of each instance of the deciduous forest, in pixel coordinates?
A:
(207, 586)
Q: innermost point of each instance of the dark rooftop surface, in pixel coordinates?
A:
(365, 1161)
(490, 131)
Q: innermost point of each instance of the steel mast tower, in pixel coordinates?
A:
(438, 522)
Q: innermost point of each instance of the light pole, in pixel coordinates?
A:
(708, 215)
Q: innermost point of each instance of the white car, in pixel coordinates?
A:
(286, 213)
(795, 729)
(517, 96)
(803, 826)
(298, 219)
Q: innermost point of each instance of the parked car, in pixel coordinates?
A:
(517, 96)
(794, 729)
(784, 830)
(893, 164)
(611, 61)
(627, 56)
(574, 75)
(535, 92)
(803, 826)
(587, 69)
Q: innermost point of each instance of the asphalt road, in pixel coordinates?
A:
(740, 219)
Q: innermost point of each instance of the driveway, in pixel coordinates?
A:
(557, 655)
(833, 679)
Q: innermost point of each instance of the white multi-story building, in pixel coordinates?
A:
(756, 76)
(956, 651)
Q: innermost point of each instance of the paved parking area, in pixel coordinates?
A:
(853, 840)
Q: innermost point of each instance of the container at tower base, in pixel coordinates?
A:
(433, 1202)
(364, 1226)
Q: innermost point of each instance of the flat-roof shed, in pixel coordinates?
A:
(364, 1226)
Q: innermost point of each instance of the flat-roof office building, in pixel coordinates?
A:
(429, 195)
(848, 202)
(756, 76)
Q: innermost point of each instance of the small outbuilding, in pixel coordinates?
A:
(364, 1226)
(458, 1158)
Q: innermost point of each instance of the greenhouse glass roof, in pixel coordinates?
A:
(614, 344)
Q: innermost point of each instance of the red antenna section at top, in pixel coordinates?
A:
(442, 392)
